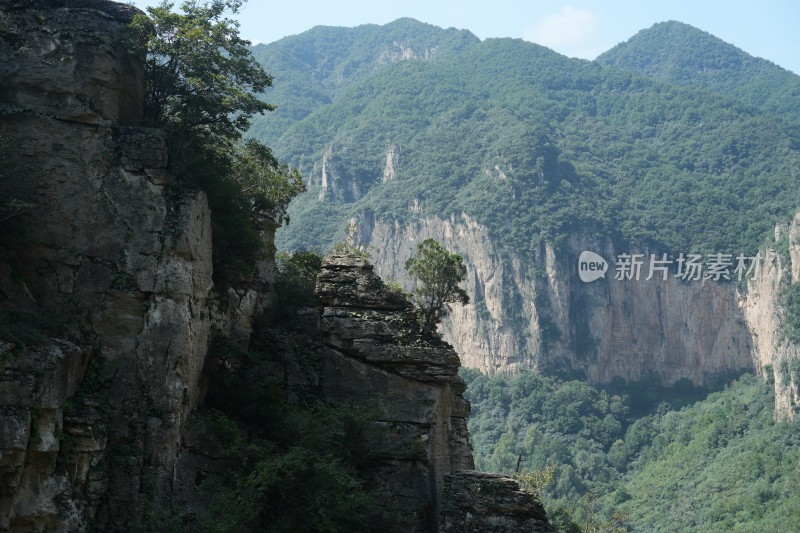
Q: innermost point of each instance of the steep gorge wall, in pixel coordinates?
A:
(775, 357)
(536, 313)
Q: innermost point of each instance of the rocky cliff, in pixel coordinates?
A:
(116, 249)
(536, 313)
(379, 357)
(775, 357)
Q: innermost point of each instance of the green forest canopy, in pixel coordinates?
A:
(667, 459)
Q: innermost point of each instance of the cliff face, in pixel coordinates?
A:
(114, 247)
(538, 314)
(775, 356)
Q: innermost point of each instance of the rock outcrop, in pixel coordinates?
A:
(475, 502)
(775, 357)
(380, 358)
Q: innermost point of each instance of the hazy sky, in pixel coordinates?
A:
(764, 28)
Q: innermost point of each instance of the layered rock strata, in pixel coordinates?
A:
(379, 357)
(476, 502)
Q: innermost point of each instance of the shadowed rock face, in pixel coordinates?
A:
(115, 247)
(69, 60)
(379, 357)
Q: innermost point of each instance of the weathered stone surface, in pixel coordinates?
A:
(773, 353)
(68, 60)
(114, 245)
(534, 312)
(345, 281)
(379, 357)
(481, 503)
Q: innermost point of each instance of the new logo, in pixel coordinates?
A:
(591, 267)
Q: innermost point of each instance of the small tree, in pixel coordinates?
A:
(439, 273)
(296, 277)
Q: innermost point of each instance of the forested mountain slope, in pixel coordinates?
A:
(662, 459)
(683, 55)
(313, 68)
(530, 143)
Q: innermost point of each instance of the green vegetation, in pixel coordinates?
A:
(682, 55)
(529, 143)
(439, 272)
(296, 277)
(319, 65)
(287, 460)
(201, 86)
(717, 464)
(301, 477)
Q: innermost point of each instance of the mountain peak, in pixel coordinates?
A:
(674, 51)
(681, 54)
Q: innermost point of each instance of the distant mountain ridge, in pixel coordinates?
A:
(325, 60)
(505, 106)
(680, 54)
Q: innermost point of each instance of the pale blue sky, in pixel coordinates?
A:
(765, 28)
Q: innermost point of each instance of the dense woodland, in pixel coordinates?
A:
(656, 459)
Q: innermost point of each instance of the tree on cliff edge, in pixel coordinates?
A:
(200, 77)
(201, 88)
(439, 273)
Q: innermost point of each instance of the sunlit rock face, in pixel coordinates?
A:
(536, 313)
